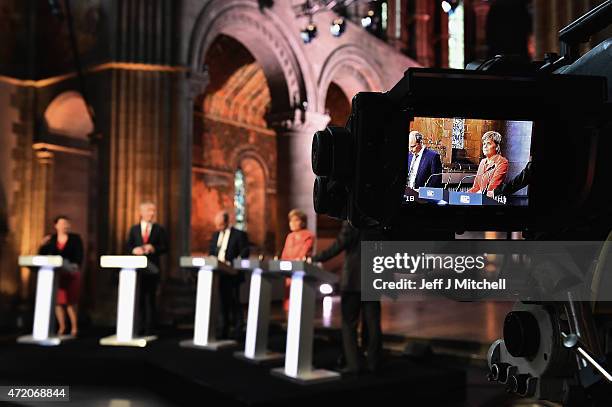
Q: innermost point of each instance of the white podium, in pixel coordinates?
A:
(126, 300)
(302, 296)
(204, 336)
(258, 317)
(46, 287)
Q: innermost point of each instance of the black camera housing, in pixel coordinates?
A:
(362, 168)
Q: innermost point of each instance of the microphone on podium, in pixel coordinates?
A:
(463, 179)
(450, 177)
(432, 175)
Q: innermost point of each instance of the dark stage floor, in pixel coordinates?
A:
(163, 374)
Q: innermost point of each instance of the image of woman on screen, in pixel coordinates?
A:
(493, 168)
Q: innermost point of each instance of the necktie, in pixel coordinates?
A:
(147, 232)
(220, 240)
(223, 246)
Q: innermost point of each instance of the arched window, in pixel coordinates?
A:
(456, 38)
(240, 208)
(458, 133)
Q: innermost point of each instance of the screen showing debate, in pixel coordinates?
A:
(468, 162)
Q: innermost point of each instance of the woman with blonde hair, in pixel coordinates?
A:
(298, 245)
(300, 242)
(493, 168)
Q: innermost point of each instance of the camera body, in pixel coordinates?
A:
(363, 168)
(551, 125)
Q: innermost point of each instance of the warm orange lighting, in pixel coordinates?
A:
(24, 275)
(41, 83)
(130, 66)
(61, 149)
(67, 114)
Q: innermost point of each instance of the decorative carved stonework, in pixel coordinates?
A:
(44, 157)
(297, 122)
(242, 20)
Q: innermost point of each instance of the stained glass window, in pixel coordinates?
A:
(458, 132)
(456, 38)
(240, 200)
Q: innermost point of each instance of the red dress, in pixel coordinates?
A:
(69, 284)
(298, 245)
(490, 177)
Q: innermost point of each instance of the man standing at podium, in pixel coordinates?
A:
(228, 243)
(424, 164)
(148, 238)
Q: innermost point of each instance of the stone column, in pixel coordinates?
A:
(424, 32)
(481, 11)
(295, 178)
(545, 27)
(149, 141)
(192, 86)
(146, 154)
(42, 173)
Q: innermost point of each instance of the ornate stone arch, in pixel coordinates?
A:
(352, 70)
(261, 32)
(247, 151)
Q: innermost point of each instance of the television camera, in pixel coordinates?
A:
(552, 182)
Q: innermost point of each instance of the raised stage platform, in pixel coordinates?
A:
(183, 376)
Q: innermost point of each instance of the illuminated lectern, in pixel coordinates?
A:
(207, 290)
(302, 296)
(46, 286)
(130, 266)
(258, 318)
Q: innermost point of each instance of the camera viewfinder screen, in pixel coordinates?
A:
(468, 162)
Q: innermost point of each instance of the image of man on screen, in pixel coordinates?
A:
(424, 164)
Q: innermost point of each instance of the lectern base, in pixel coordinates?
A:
(268, 357)
(138, 342)
(51, 341)
(312, 377)
(213, 345)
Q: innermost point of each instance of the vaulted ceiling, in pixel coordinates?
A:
(238, 90)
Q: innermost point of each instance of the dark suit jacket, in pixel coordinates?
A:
(158, 239)
(73, 251)
(517, 183)
(349, 241)
(430, 164)
(237, 245)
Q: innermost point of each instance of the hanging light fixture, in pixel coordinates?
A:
(449, 5)
(367, 20)
(309, 33)
(338, 26)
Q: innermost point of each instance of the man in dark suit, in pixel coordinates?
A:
(349, 240)
(228, 243)
(424, 164)
(149, 239)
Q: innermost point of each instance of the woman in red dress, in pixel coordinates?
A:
(493, 168)
(300, 241)
(70, 247)
(298, 245)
